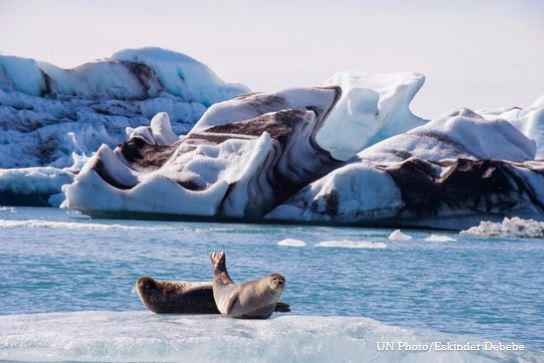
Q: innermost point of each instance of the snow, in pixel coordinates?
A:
(510, 227)
(372, 107)
(398, 235)
(143, 336)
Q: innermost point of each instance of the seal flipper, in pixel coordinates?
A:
(282, 307)
(221, 275)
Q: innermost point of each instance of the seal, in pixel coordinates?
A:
(176, 297)
(181, 297)
(251, 300)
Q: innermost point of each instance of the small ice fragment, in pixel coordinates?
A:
(439, 238)
(290, 242)
(397, 235)
(352, 244)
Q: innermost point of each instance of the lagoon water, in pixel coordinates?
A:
(67, 291)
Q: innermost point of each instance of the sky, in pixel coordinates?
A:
(475, 54)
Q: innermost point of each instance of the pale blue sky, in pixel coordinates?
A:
(475, 53)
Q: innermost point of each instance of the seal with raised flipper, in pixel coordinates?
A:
(181, 297)
(251, 300)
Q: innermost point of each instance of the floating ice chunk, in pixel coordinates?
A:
(352, 244)
(439, 238)
(32, 186)
(510, 227)
(372, 108)
(290, 242)
(397, 235)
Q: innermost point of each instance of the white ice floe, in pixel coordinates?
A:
(145, 337)
(439, 238)
(510, 227)
(352, 244)
(398, 235)
(291, 242)
(372, 107)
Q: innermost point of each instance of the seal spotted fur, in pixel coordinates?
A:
(181, 297)
(251, 300)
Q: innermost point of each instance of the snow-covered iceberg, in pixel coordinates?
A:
(50, 116)
(146, 337)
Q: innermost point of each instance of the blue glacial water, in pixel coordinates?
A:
(58, 261)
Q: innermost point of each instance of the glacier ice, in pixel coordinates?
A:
(50, 115)
(372, 107)
(143, 337)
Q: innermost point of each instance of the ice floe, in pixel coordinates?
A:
(292, 242)
(144, 337)
(352, 244)
(439, 238)
(398, 235)
(510, 227)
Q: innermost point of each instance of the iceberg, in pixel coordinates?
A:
(50, 116)
(241, 158)
(144, 337)
(257, 157)
(449, 173)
